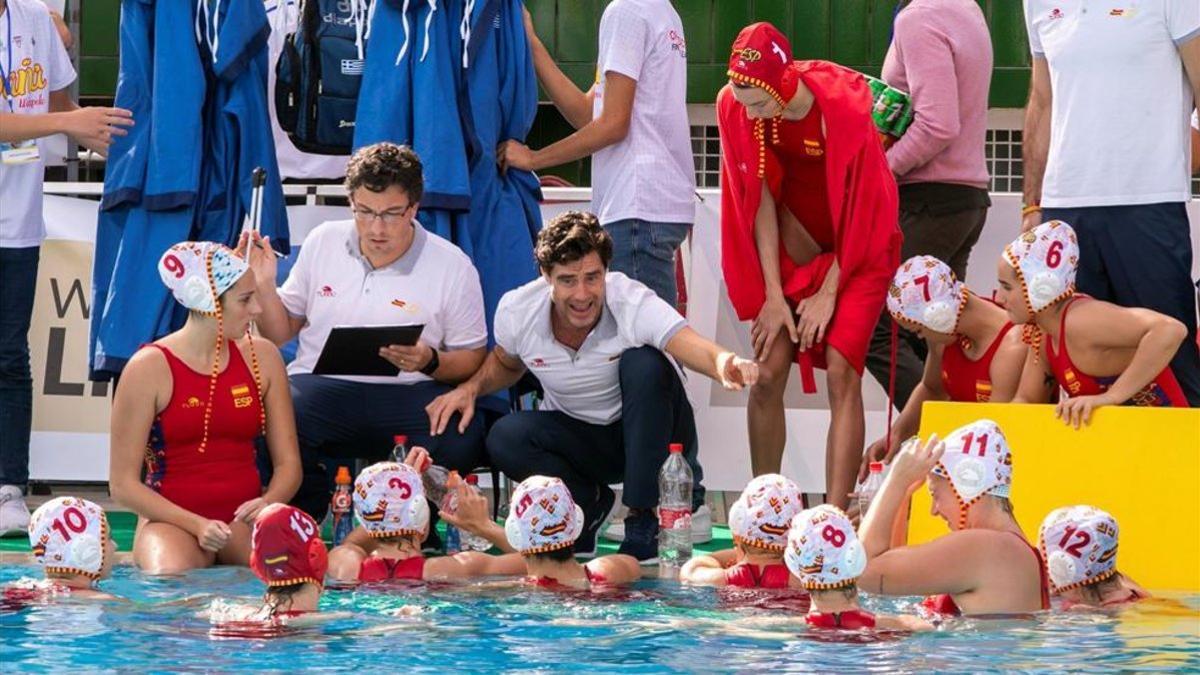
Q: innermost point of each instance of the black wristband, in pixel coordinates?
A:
(431, 367)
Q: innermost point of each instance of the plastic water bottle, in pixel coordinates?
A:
(870, 487)
(341, 507)
(400, 449)
(471, 541)
(453, 541)
(674, 512)
(433, 476)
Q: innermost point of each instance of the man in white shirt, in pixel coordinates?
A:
(597, 341)
(633, 123)
(35, 76)
(381, 268)
(1106, 149)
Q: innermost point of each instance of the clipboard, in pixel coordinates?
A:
(354, 350)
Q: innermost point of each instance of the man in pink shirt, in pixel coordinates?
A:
(941, 54)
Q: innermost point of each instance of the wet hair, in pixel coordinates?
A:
(751, 548)
(380, 166)
(557, 555)
(849, 592)
(279, 598)
(571, 236)
(398, 539)
(1094, 591)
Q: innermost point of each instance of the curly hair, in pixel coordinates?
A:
(382, 165)
(569, 237)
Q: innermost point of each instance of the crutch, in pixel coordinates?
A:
(258, 178)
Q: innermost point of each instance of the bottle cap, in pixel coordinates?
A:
(676, 447)
(399, 439)
(472, 480)
(343, 476)
(876, 467)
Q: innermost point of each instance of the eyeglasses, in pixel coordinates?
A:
(390, 217)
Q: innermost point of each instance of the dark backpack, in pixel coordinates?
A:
(318, 76)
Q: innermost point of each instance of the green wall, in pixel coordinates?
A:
(850, 32)
(99, 22)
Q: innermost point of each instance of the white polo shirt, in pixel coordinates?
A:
(650, 174)
(1121, 99)
(332, 284)
(584, 384)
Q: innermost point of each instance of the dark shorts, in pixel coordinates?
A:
(1141, 256)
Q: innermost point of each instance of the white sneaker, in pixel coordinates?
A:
(701, 527)
(14, 515)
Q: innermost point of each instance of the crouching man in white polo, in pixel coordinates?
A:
(597, 341)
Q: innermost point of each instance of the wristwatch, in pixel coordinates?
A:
(431, 367)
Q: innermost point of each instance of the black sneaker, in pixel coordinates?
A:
(641, 536)
(595, 517)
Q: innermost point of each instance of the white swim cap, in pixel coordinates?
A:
(544, 516)
(762, 514)
(823, 550)
(1079, 546)
(925, 292)
(389, 500)
(69, 535)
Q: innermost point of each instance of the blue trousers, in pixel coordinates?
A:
(18, 279)
(1141, 256)
(645, 251)
(338, 421)
(655, 412)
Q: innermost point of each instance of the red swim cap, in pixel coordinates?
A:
(286, 547)
(761, 57)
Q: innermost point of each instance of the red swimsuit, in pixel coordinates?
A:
(801, 151)
(594, 578)
(854, 619)
(944, 603)
(212, 483)
(1163, 391)
(966, 380)
(745, 575)
(382, 569)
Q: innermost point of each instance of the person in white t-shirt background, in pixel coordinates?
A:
(36, 74)
(381, 268)
(598, 342)
(1106, 149)
(633, 123)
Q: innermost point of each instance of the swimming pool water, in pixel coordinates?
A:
(655, 626)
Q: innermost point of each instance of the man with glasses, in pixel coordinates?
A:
(379, 268)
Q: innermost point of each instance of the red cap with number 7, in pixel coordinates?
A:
(286, 547)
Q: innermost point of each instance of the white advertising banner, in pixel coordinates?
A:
(71, 415)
